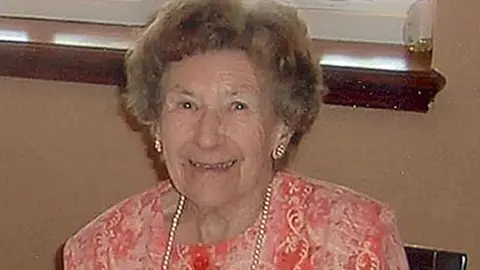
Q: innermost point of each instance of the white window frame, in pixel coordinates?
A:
(126, 12)
(381, 21)
(356, 21)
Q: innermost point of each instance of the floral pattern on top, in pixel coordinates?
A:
(311, 225)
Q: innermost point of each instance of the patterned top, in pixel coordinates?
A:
(311, 225)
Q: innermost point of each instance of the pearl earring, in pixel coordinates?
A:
(279, 152)
(158, 145)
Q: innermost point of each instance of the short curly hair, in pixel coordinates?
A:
(271, 34)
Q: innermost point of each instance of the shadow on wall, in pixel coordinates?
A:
(59, 258)
(147, 139)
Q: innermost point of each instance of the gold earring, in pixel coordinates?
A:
(279, 152)
(158, 145)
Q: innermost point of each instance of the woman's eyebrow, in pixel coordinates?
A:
(178, 89)
(244, 90)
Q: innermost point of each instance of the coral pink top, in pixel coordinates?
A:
(311, 225)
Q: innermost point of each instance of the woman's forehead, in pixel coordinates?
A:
(224, 69)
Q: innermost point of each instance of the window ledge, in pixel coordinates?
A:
(356, 74)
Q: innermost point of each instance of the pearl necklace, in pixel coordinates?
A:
(258, 243)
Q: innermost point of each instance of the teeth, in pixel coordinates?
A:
(214, 166)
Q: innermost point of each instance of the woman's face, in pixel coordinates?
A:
(218, 128)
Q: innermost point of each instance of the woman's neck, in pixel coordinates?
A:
(200, 224)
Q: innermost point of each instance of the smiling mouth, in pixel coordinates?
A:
(213, 166)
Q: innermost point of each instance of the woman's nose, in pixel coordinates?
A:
(208, 133)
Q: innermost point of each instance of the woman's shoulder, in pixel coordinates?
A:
(337, 197)
(127, 217)
(139, 204)
(132, 206)
(347, 224)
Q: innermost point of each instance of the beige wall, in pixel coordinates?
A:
(66, 154)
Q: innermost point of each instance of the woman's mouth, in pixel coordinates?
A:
(213, 166)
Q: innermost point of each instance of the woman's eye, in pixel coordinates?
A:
(239, 106)
(186, 105)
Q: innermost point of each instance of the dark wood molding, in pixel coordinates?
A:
(410, 84)
(395, 90)
(61, 63)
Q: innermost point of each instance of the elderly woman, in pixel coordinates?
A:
(228, 90)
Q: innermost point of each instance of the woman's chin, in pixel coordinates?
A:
(211, 186)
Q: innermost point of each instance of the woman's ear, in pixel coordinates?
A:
(155, 130)
(284, 136)
(155, 133)
(156, 137)
(282, 140)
